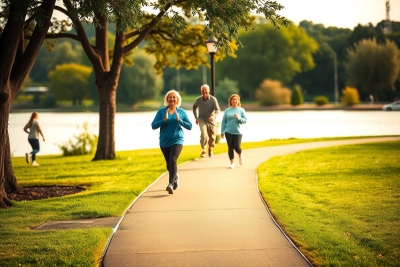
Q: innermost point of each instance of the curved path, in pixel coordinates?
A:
(215, 218)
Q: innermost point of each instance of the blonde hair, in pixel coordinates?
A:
(33, 116)
(232, 96)
(177, 95)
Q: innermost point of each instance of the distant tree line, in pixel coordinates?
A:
(299, 56)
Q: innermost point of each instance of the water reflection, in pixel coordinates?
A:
(133, 130)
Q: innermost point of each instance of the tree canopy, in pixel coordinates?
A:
(372, 67)
(269, 53)
(70, 82)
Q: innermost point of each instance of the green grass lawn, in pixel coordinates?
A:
(340, 205)
(110, 187)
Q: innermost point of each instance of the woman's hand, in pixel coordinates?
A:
(176, 114)
(222, 136)
(236, 116)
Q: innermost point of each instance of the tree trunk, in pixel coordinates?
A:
(11, 181)
(107, 108)
(5, 160)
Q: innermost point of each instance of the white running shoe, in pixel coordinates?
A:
(35, 164)
(241, 159)
(232, 166)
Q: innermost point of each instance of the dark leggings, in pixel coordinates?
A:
(234, 141)
(35, 147)
(171, 155)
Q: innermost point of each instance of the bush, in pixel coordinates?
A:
(272, 92)
(83, 144)
(49, 101)
(321, 100)
(350, 96)
(297, 96)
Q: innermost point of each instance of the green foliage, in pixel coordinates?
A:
(268, 53)
(350, 96)
(225, 88)
(321, 100)
(360, 33)
(297, 96)
(70, 82)
(49, 101)
(272, 92)
(81, 144)
(319, 80)
(140, 81)
(373, 67)
(349, 193)
(47, 60)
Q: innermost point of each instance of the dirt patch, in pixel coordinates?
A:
(42, 192)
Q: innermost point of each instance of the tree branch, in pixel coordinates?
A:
(87, 47)
(24, 64)
(147, 31)
(62, 10)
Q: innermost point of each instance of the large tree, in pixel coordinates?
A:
(140, 81)
(166, 32)
(69, 81)
(269, 53)
(17, 56)
(371, 67)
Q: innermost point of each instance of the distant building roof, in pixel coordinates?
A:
(39, 89)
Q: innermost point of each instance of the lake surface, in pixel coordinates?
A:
(133, 130)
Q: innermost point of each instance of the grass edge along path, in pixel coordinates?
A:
(339, 205)
(111, 186)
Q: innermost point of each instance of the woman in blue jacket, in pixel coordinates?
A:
(170, 119)
(234, 116)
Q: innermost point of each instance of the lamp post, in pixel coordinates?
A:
(335, 77)
(212, 49)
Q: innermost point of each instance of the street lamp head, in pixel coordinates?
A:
(212, 45)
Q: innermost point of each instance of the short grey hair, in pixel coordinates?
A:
(205, 86)
(177, 95)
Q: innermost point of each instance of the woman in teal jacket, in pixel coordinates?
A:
(170, 119)
(234, 116)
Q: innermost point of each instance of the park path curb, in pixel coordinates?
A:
(215, 218)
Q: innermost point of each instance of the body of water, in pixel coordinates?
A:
(133, 130)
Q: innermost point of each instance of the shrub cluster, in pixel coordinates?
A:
(350, 96)
(271, 92)
(321, 100)
(297, 96)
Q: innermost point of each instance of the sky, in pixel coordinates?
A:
(339, 13)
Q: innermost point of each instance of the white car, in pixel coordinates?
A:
(392, 106)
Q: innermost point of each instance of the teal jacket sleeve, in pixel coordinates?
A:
(184, 119)
(243, 118)
(159, 118)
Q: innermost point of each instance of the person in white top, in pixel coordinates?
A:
(32, 128)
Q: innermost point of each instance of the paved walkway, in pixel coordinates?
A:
(215, 218)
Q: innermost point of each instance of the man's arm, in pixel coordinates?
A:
(195, 109)
(217, 108)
